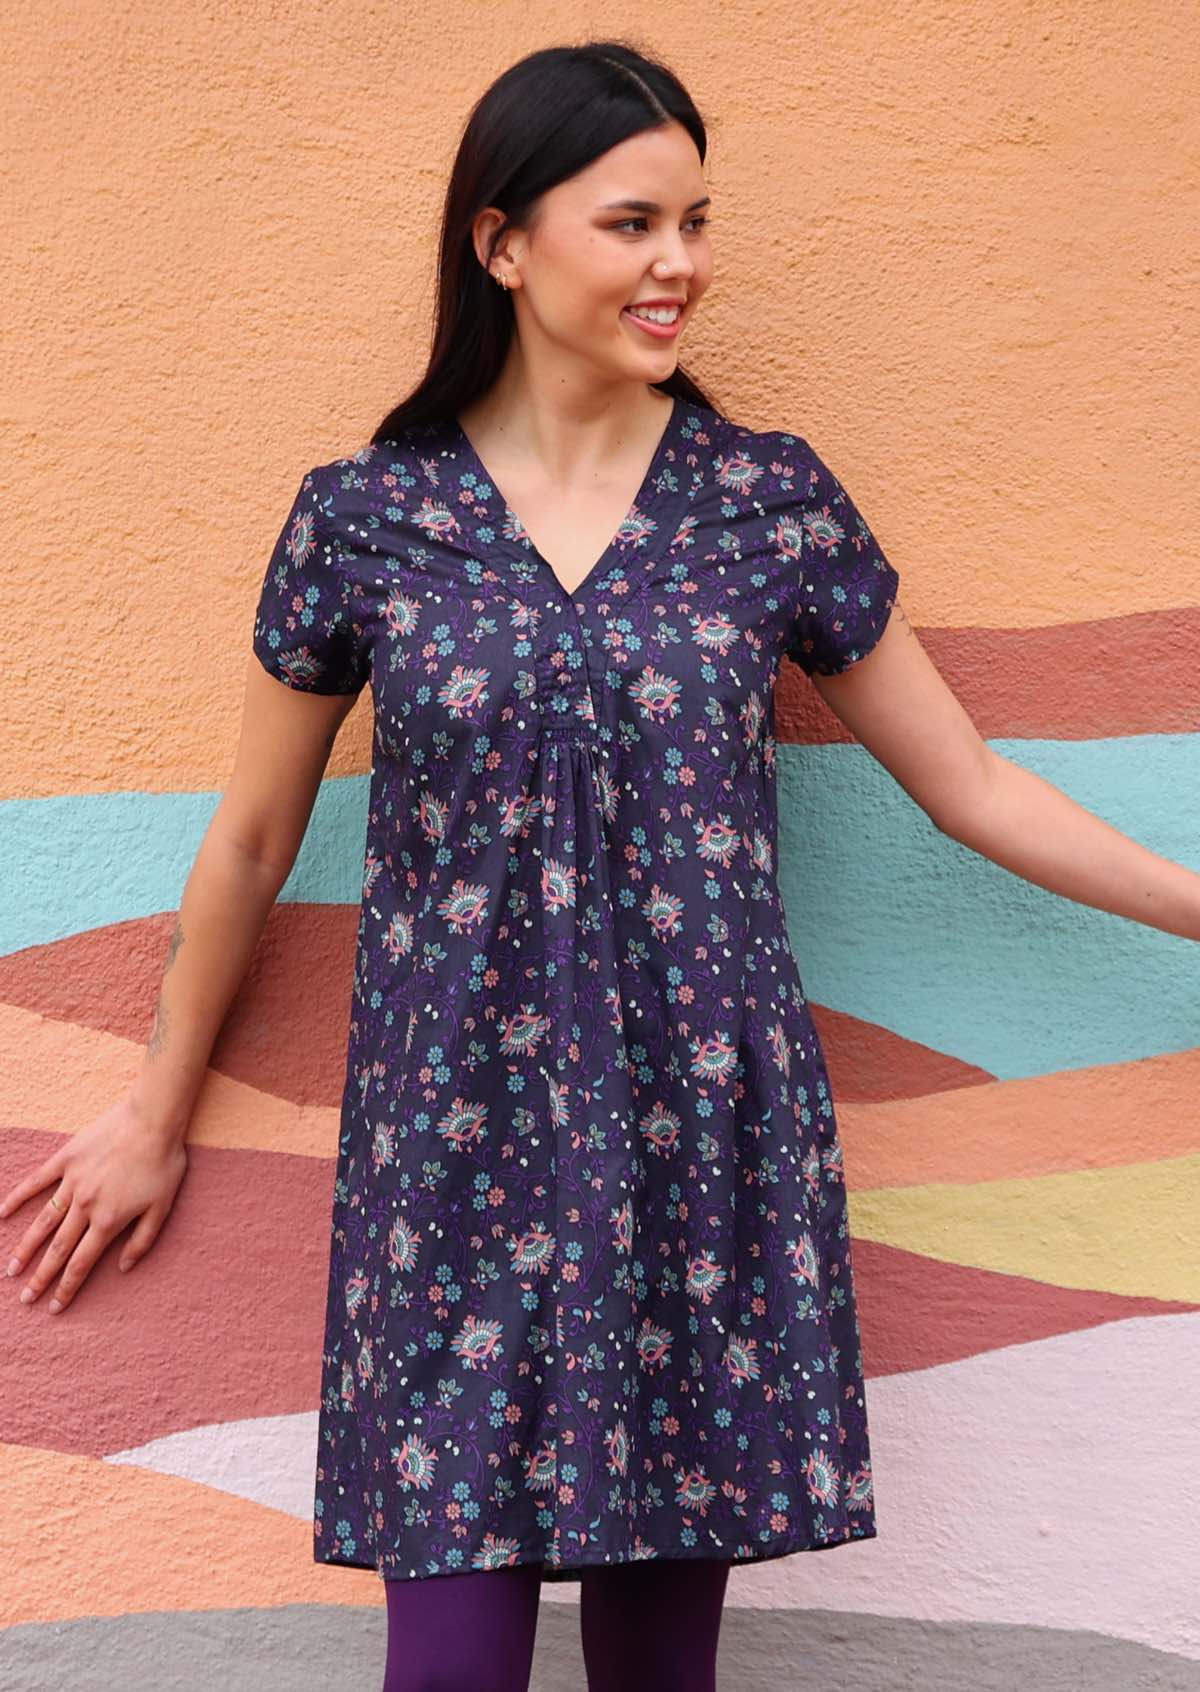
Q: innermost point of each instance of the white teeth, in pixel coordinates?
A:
(655, 314)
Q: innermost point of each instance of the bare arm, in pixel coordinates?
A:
(243, 861)
(128, 1162)
(897, 704)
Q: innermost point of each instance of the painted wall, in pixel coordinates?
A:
(957, 251)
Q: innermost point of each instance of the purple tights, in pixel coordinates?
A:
(651, 1623)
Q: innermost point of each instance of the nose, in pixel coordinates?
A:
(676, 261)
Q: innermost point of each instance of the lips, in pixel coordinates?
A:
(660, 331)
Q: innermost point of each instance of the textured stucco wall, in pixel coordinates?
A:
(956, 249)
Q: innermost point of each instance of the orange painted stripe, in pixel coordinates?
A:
(67, 1074)
(79, 1537)
(1101, 1118)
(983, 1130)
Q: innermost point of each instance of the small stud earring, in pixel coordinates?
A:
(501, 281)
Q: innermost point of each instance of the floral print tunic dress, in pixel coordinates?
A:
(590, 1288)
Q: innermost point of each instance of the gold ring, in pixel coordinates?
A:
(56, 1204)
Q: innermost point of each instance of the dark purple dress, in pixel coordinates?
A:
(590, 1288)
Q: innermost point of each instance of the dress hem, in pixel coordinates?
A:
(573, 1570)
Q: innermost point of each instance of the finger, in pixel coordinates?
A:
(82, 1261)
(32, 1183)
(68, 1236)
(43, 1225)
(143, 1237)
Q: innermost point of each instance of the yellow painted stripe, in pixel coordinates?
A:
(1129, 1230)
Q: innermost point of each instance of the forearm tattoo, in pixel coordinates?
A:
(158, 1035)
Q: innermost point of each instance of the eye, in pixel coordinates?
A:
(699, 220)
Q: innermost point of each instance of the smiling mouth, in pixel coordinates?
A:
(663, 316)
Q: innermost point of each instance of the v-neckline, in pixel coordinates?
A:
(639, 505)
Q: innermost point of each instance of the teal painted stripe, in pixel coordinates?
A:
(81, 861)
(890, 920)
(894, 922)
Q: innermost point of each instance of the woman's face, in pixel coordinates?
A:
(592, 254)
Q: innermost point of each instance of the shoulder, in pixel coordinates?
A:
(780, 468)
(778, 446)
(342, 491)
(730, 441)
(417, 440)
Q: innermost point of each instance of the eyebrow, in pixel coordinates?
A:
(651, 206)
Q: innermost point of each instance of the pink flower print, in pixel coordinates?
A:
(741, 1360)
(714, 1058)
(695, 1491)
(478, 1340)
(416, 1463)
(464, 1124)
(532, 1252)
(657, 694)
(704, 1276)
(465, 690)
(558, 885)
(540, 1469)
(717, 842)
(664, 912)
(660, 1128)
(821, 1477)
(465, 906)
(653, 1346)
(521, 1035)
(802, 1255)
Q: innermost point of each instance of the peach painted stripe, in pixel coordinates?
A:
(57, 1076)
(1118, 1114)
(1072, 681)
(1089, 1118)
(80, 1537)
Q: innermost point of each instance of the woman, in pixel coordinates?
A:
(590, 1304)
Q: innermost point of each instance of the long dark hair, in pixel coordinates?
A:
(542, 120)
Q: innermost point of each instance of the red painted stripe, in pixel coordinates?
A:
(287, 1026)
(868, 1064)
(222, 1320)
(916, 1312)
(1072, 681)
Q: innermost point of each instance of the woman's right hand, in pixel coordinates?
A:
(118, 1167)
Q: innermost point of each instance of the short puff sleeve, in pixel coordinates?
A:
(847, 585)
(305, 634)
